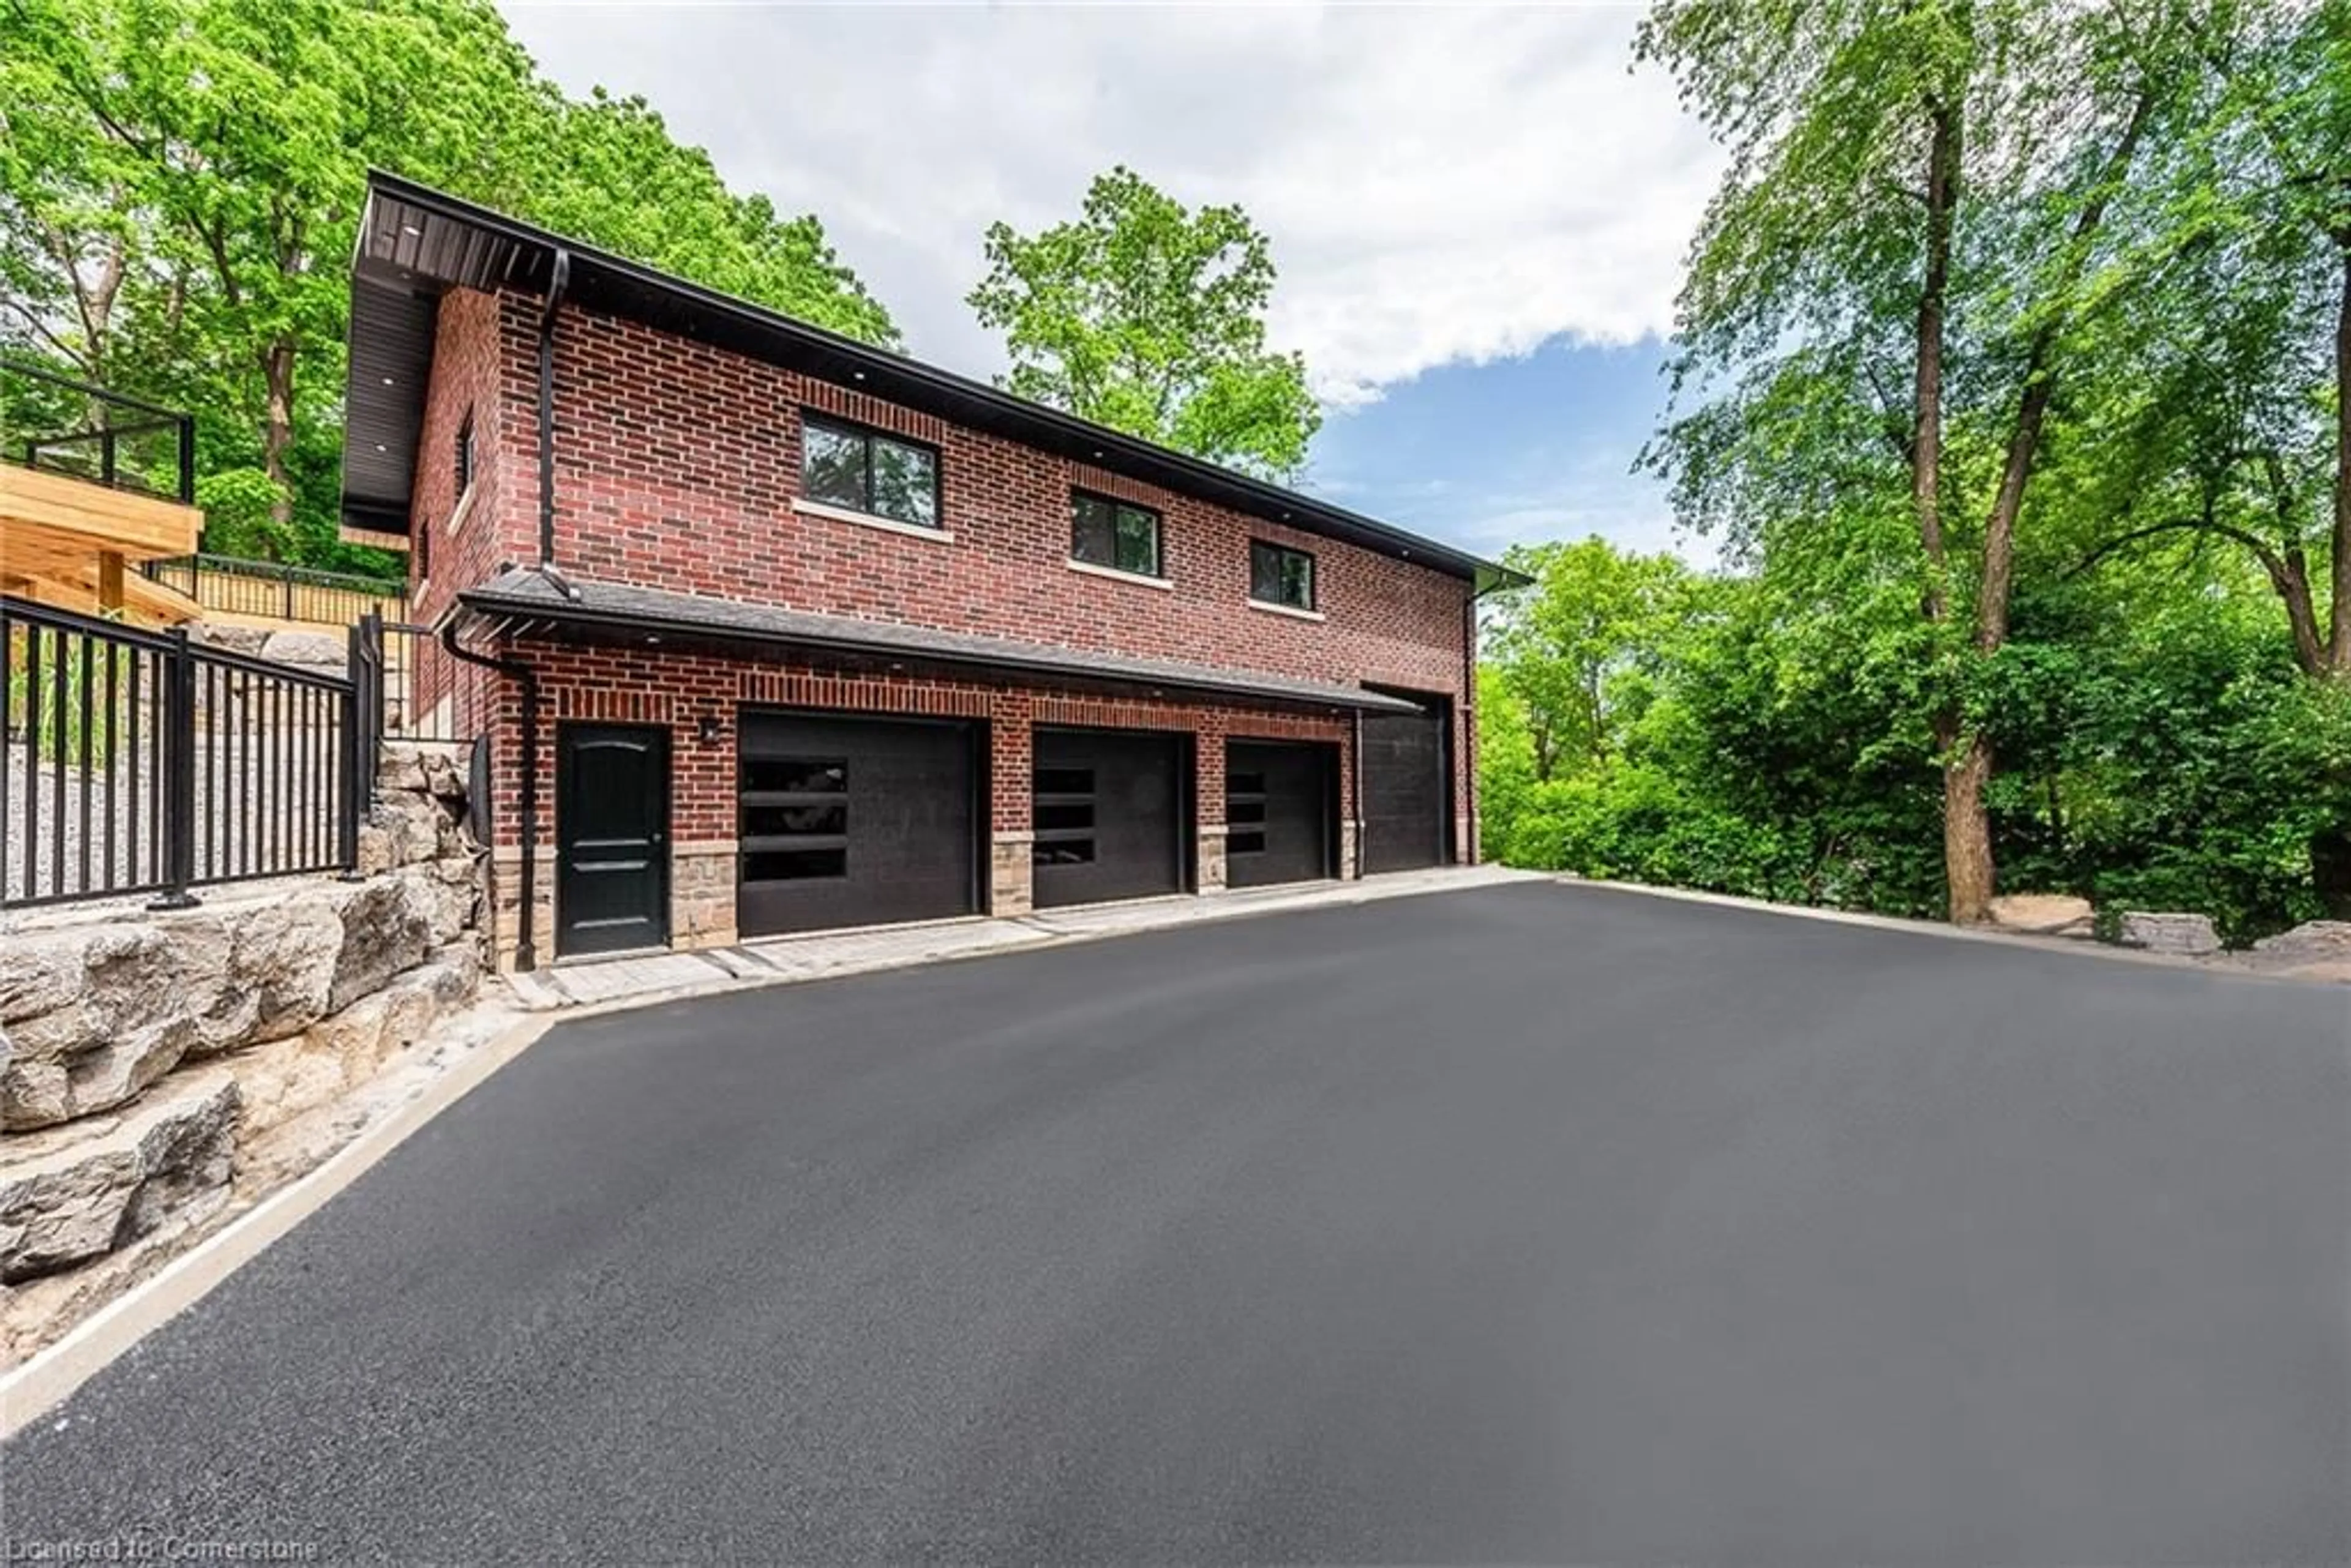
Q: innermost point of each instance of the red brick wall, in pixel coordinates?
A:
(477, 343)
(470, 372)
(625, 686)
(676, 465)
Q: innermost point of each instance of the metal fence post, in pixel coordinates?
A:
(187, 460)
(357, 781)
(177, 775)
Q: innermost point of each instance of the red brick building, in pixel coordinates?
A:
(772, 630)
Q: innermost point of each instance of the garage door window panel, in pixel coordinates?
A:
(1244, 814)
(1063, 817)
(795, 824)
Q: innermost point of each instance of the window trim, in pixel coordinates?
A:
(1158, 536)
(803, 501)
(1310, 610)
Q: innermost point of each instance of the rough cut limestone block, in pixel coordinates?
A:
(2044, 913)
(2186, 933)
(2313, 941)
(77, 1193)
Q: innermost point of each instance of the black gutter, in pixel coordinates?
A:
(558, 283)
(575, 613)
(520, 671)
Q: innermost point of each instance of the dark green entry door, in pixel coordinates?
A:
(612, 825)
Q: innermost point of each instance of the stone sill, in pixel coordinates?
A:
(807, 508)
(1116, 574)
(1290, 609)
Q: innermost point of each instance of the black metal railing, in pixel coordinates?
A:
(123, 443)
(140, 762)
(276, 591)
(412, 688)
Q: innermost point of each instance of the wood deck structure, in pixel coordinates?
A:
(75, 544)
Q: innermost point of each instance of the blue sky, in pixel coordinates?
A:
(1477, 213)
(1532, 447)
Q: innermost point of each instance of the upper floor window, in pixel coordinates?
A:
(466, 454)
(1280, 575)
(865, 471)
(1103, 532)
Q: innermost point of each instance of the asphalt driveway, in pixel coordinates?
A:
(1531, 1224)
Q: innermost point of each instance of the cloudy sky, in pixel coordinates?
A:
(1477, 213)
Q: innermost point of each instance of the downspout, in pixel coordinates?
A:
(523, 676)
(1355, 793)
(559, 282)
(1469, 742)
(526, 944)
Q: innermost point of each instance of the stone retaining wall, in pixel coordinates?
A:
(153, 1063)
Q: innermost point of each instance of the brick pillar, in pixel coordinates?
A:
(1011, 878)
(1209, 792)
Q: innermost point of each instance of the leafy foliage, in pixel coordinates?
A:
(2009, 379)
(1149, 317)
(181, 183)
(2161, 749)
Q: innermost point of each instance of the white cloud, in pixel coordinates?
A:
(1440, 185)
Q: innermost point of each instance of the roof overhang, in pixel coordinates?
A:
(527, 602)
(415, 243)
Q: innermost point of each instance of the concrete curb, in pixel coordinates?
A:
(38, 1386)
(2069, 945)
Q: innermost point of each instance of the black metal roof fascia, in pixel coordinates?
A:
(522, 607)
(958, 397)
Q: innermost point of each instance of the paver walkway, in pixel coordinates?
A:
(822, 954)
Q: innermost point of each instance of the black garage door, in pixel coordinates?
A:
(853, 822)
(1110, 815)
(1407, 806)
(1278, 812)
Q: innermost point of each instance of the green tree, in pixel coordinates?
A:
(1897, 166)
(1576, 651)
(1149, 317)
(183, 185)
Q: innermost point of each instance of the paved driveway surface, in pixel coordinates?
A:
(1529, 1224)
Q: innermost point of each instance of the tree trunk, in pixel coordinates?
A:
(1967, 833)
(1926, 434)
(1967, 827)
(277, 437)
(2339, 610)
